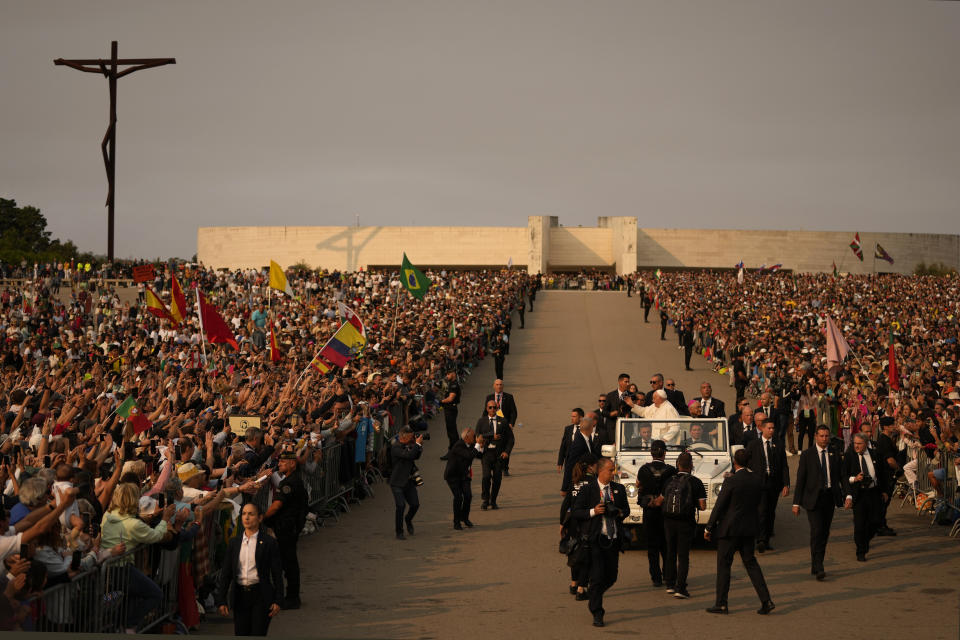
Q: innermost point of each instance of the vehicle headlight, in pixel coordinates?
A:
(716, 489)
(631, 491)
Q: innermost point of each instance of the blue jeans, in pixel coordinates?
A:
(143, 596)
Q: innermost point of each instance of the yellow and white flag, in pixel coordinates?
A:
(278, 280)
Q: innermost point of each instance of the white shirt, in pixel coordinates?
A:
(869, 464)
(247, 571)
(829, 479)
(667, 432)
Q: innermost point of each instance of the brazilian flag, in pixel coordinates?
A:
(413, 279)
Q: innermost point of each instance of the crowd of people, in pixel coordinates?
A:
(867, 421)
(117, 436)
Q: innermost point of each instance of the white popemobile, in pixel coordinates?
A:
(705, 438)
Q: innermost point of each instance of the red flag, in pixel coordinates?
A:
(893, 373)
(214, 325)
(139, 422)
(274, 347)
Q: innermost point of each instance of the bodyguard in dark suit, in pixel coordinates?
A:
(458, 477)
(582, 442)
(887, 452)
(867, 483)
(818, 491)
(252, 572)
(405, 450)
(507, 408)
(603, 531)
(734, 524)
(741, 426)
(611, 408)
(674, 396)
(505, 403)
(768, 461)
(710, 407)
(575, 417)
(651, 479)
(498, 443)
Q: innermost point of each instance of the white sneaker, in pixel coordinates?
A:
(671, 590)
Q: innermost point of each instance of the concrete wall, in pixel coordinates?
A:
(802, 251)
(351, 248)
(543, 245)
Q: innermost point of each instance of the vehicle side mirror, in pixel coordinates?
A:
(608, 450)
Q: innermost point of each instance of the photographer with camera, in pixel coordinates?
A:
(498, 437)
(868, 484)
(405, 478)
(600, 508)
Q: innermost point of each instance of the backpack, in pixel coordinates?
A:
(678, 498)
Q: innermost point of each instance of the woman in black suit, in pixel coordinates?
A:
(252, 568)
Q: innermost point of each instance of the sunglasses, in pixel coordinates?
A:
(669, 384)
(653, 382)
(491, 406)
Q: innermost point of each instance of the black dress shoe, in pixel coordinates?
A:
(861, 557)
(582, 595)
(409, 526)
(444, 457)
(821, 576)
(598, 621)
(494, 505)
(573, 589)
(458, 526)
(658, 583)
(400, 536)
(467, 523)
(761, 547)
(766, 607)
(484, 506)
(719, 608)
(506, 472)
(769, 547)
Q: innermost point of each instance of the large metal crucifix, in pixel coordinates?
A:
(109, 144)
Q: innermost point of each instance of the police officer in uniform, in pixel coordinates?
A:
(450, 398)
(286, 517)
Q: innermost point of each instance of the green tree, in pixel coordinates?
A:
(24, 236)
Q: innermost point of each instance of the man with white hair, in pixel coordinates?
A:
(661, 409)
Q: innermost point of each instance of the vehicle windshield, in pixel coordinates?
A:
(701, 434)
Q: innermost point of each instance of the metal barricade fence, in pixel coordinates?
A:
(68, 607)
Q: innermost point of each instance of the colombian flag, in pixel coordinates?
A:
(345, 344)
(178, 304)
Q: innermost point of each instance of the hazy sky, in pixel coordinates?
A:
(815, 115)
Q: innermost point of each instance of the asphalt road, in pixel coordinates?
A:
(505, 577)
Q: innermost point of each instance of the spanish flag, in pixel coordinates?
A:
(155, 304)
(275, 354)
(320, 365)
(278, 280)
(345, 345)
(178, 304)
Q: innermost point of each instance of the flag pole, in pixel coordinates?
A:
(302, 373)
(203, 333)
(396, 309)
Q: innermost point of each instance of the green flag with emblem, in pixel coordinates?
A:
(413, 279)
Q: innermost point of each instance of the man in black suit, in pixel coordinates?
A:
(457, 475)
(867, 483)
(740, 376)
(498, 438)
(582, 442)
(818, 492)
(676, 397)
(507, 409)
(663, 324)
(710, 407)
(651, 479)
(686, 341)
(734, 523)
(769, 461)
(606, 429)
(576, 415)
(647, 303)
(614, 401)
(741, 427)
(404, 451)
(603, 529)
(887, 452)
